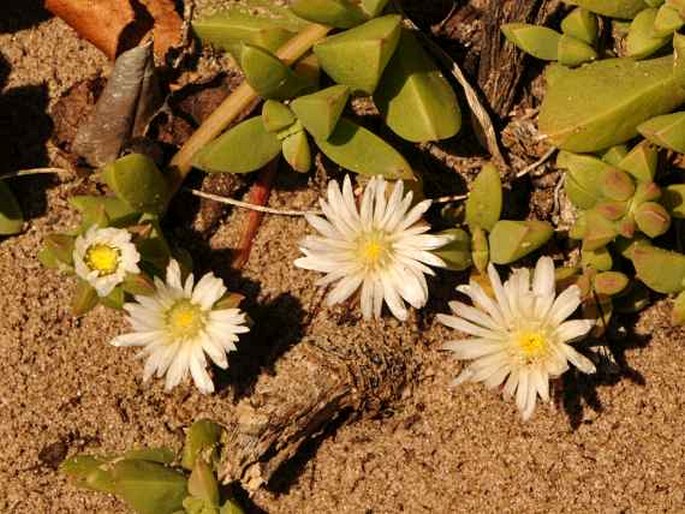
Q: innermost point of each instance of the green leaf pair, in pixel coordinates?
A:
(11, 217)
(341, 14)
(622, 9)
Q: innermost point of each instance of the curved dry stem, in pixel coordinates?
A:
(241, 98)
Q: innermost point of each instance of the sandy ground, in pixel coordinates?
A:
(611, 445)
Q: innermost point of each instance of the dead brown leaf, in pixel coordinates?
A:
(115, 26)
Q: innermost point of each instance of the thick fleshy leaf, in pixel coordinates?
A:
(583, 178)
(674, 200)
(678, 313)
(599, 259)
(231, 507)
(297, 152)
(667, 21)
(341, 14)
(89, 472)
(61, 246)
(540, 42)
(149, 487)
(617, 185)
(599, 231)
(276, 116)
(661, 270)
(642, 41)
(623, 9)
(484, 204)
(269, 76)
(652, 219)
(581, 24)
(574, 52)
(319, 112)
(202, 482)
(246, 147)
(161, 455)
(641, 162)
(456, 253)
(667, 131)
(416, 101)
(85, 298)
(229, 29)
(114, 300)
(480, 250)
(357, 149)
(615, 154)
(202, 439)
(610, 282)
(581, 114)
(136, 180)
(510, 240)
(11, 217)
(138, 284)
(357, 57)
(119, 212)
(373, 7)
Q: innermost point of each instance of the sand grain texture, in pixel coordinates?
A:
(63, 389)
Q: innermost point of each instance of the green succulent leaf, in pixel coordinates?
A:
(674, 200)
(667, 21)
(61, 246)
(357, 149)
(574, 52)
(480, 252)
(678, 313)
(202, 440)
(641, 162)
(456, 253)
(85, 298)
(615, 154)
(358, 57)
(510, 240)
(136, 180)
(583, 178)
(610, 283)
(540, 42)
(297, 152)
(581, 24)
(277, 116)
(89, 472)
(484, 204)
(599, 231)
(231, 507)
(667, 131)
(269, 76)
(414, 98)
(661, 270)
(581, 114)
(599, 259)
(246, 147)
(11, 217)
(193, 505)
(642, 41)
(138, 284)
(341, 14)
(623, 9)
(652, 219)
(114, 300)
(161, 455)
(229, 29)
(373, 7)
(319, 112)
(617, 185)
(149, 487)
(202, 482)
(119, 213)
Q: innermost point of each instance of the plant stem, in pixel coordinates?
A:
(237, 102)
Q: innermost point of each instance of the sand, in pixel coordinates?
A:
(612, 444)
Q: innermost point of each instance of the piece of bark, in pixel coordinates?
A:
(115, 26)
(313, 384)
(124, 109)
(501, 63)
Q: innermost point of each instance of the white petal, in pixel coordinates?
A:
(570, 330)
(579, 361)
(543, 279)
(472, 348)
(199, 372)
(565, 304)
(173, 274)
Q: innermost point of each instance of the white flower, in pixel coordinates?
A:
(177, 325)
(103, 256)
(522, 337)
(380, 247)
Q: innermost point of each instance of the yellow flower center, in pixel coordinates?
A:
(373, 249)
(532, 344)
(185, 320)
(102, 258)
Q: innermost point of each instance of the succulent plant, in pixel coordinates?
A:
(151, 481)
(11, 217)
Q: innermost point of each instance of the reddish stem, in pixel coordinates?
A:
(259, 195)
